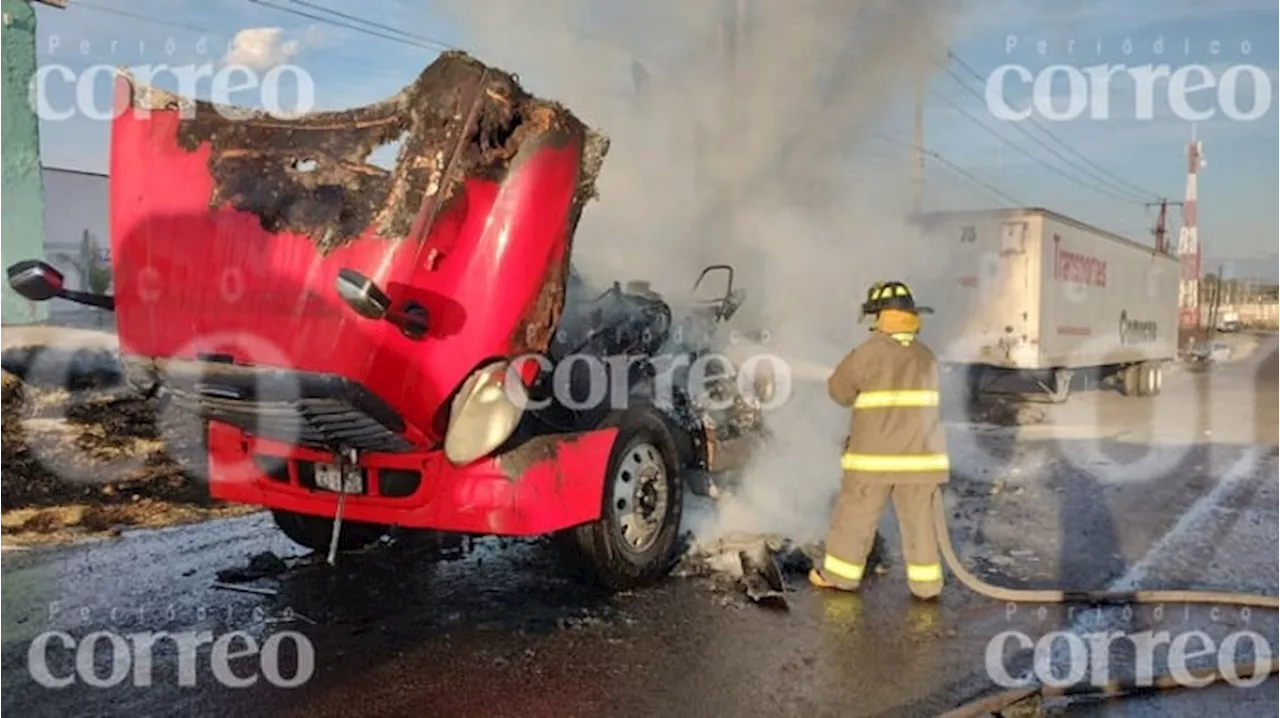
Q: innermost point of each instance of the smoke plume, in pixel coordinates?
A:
(741, 143)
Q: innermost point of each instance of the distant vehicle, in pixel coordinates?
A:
(1229, 322)
(1218, 351)
(1044, 296)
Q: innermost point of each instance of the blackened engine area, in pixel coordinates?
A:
(627, 336)
(621, 321)
(603, 350)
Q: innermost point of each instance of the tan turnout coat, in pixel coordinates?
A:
(895, 433)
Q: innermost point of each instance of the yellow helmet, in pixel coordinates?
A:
(891, 295)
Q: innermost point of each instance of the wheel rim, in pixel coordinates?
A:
(640, 496)
(1159, 378)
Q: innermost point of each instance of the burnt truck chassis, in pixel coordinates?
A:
(275, 426)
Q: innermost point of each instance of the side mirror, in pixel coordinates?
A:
(362, 295)
(727, 303)
(369, 301)
(35, 280)
(728, 290)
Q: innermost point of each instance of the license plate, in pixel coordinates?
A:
(330, 478)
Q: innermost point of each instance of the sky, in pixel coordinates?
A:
(1101, 170)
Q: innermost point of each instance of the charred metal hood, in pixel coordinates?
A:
(311, 175)
(229, 227)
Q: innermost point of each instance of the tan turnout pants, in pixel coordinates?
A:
(853, 529)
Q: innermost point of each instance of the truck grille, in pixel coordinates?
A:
(318, 411)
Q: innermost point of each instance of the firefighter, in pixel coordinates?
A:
(895, 449)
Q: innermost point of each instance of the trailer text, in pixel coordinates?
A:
(1137, 331)
(1077, 268)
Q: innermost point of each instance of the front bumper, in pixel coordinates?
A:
(546, 484)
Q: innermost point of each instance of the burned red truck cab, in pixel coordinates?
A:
(351, 333)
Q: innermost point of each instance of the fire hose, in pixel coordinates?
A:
(999, 701)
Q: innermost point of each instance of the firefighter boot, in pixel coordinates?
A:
(821, 579)
(925, 590)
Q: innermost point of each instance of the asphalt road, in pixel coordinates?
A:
(504, 629)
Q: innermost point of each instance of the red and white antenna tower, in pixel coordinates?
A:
(1189, 242)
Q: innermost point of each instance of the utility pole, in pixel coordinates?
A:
(917, 150)
(1161, 228)
(1212, 329)
(750, 262)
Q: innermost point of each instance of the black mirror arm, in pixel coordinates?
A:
(101, 301)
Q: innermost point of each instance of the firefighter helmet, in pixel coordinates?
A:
(891, 295)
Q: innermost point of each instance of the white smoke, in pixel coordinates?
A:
(753, 163)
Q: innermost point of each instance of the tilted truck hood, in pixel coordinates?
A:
(228, 233)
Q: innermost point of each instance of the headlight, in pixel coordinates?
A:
(484, 414)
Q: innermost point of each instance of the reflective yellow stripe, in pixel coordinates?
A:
(924, 572)
(843, 569)
(891, 462)
(906, 397)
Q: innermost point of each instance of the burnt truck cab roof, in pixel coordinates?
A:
(282, 283)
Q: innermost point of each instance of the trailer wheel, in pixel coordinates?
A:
(1152, 379)
(633, 543)
(1132, 380)
(313, 532)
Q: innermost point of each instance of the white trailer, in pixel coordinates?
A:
(1034, 292)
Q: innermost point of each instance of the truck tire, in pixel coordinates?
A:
(633, 544)
(1131, 380)
(313, 532)
(1145, 379)
(1152, 378)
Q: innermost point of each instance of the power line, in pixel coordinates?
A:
(192, 28)
(146, 18)
(419, 43)
(1102, 173)
(1122, 181)
(1032, 157)
(953, 167)
(441, 44)
(1114, 180)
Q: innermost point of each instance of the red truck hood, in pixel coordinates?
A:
(228, 234)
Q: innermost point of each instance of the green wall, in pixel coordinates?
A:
(21, 193)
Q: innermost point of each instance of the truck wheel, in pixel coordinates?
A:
(1131, 378)
(1152, 379)
(313, 532)
(633, 544)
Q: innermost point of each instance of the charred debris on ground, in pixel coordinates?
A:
(84, 452)
(311, 174)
